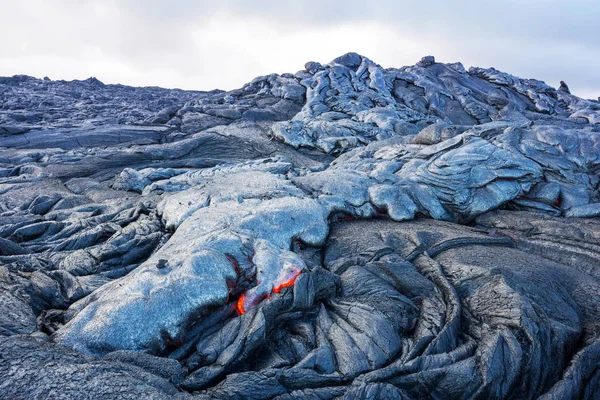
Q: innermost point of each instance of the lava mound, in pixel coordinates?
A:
(344, 232)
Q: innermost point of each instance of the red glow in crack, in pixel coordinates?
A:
(241, 309)
(240, 305)
(381, 212)
(234, 262)
(285, 284)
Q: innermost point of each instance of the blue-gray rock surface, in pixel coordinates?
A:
(344, 232)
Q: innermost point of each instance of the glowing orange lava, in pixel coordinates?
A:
(240, 305)
(285, 284)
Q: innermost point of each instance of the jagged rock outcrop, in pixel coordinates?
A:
(347, 231)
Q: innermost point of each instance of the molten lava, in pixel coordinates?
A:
(285, 284)
(240, 305)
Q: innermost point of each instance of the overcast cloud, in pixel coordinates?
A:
(198, 44)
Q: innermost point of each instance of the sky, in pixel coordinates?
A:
(204, 45)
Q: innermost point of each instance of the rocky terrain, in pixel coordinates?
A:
(344, 232)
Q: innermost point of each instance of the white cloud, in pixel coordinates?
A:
(197, 44)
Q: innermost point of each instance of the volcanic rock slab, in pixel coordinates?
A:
(346, 231)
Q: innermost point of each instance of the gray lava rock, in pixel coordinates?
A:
(347, 231)
(31, 368)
